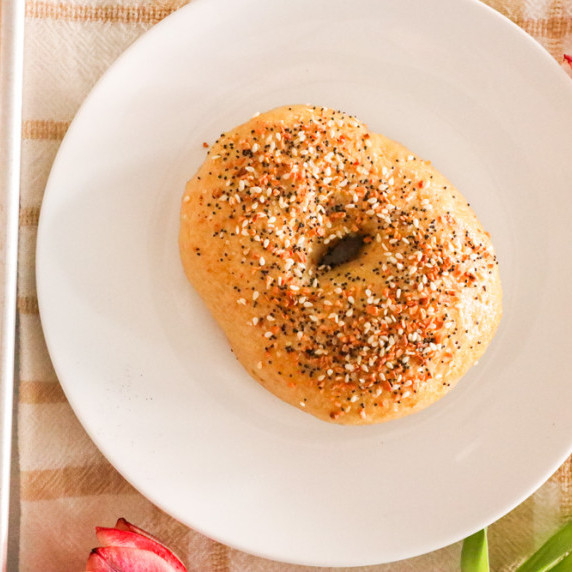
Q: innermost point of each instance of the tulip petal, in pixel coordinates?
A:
(123, 559)
(129, 539)
(124, 524)
(95, 563)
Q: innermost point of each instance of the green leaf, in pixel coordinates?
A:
(564, 565)
(555, 549)
(475, 553)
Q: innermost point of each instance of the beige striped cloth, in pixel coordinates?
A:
(66, 486)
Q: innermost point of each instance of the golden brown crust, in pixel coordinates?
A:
(374, 338)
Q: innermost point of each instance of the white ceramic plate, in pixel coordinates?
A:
(152, 378)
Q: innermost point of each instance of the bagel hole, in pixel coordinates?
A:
(344, 250)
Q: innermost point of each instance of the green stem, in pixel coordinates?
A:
(475, 553)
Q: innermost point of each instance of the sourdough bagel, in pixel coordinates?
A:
(351, 278)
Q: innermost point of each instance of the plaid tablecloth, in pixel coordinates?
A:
(66, 486)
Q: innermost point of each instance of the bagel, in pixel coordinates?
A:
(351, 279)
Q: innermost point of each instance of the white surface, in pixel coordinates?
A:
(152, 378)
